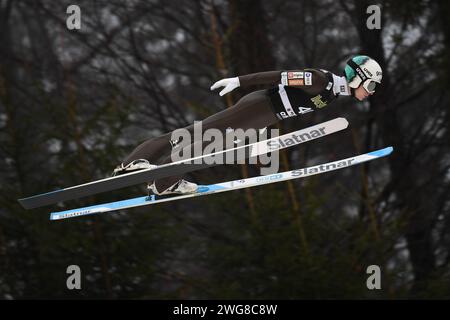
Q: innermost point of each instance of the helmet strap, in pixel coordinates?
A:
(357, 69)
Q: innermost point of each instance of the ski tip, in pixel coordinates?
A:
(382, 152)
(343, 120)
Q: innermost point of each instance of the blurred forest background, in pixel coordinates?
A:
(74, 103)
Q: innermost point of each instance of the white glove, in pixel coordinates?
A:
(229, 83)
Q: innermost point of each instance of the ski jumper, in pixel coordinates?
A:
(292, 94)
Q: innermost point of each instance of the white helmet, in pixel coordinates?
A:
(363, 70)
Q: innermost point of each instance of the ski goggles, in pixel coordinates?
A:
(369, 85)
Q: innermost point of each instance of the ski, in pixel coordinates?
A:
(183, 166)
(225, 186)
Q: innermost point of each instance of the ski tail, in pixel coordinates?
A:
(226, 186)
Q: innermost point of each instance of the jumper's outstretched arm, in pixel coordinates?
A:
(310, 80)
(268, 77)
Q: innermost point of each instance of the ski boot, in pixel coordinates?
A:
(180, 187)
(135, 165)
